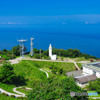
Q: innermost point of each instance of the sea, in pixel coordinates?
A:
(63, 38)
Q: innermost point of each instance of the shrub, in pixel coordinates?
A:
(13, 96)
(55, 88)
(37, 56)
(4, 94)
(7, 74)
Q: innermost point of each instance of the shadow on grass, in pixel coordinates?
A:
(19, 81)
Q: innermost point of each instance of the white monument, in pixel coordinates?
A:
(53, 57)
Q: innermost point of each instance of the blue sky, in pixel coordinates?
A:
(29, 13)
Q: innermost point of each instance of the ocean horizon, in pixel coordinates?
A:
(86, 42)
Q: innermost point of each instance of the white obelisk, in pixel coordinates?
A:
(50, 50)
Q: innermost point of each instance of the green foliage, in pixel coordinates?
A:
(16, 50)
(7, 74)
(36, 51)
(37, 56)
(10, 54)
(5, 57)
(55, 88)
(30, 71)
(95, 85)
(80, 65)
(4, 97)
(46, 53)
(72, 53)
(7, 87)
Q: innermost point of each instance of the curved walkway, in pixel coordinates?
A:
(19, 94)
(45, 72)
(10, 94)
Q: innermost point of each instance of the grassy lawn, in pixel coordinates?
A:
(23, 90)
(3, 97)
(79, 65)
(8, 88)
(46, 64)
(30, 71)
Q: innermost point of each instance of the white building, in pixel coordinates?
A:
(53, 57)
(92, 69)
(91, 72)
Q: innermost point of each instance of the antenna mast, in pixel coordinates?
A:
(32, 46)
(21, 43)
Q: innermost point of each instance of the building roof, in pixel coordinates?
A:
(95, 66)
(85, 79)
(74, 73)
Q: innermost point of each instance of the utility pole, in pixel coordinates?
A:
(40, 53)
(31, 46)
(12, 53)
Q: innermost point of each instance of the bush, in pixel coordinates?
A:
(13, 96)
(5, 94)
(23, 98)
(55, 88)
(5, 57)
(95, 85)
(7, 74)
(37, 56)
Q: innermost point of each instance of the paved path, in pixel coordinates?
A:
(10, 94)
(16, 61)
(45, 72)
(76, 66)
(19, 94)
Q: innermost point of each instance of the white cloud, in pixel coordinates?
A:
(63, 23)
(90, 22)
(12, 23)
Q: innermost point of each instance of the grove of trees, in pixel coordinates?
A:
(8, 76)
(73, 53)
(10, 54)
(95, 85)
(55, 88)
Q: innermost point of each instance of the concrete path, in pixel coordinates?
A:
(76, 66)
(19, 94)
(10, 94)
(16, 61)
(45, 72)
(14, 89)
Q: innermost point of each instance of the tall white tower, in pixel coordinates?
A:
(50, 50)
(21, 42)
(52, 57)
(31, 46)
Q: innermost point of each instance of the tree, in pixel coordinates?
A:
(16, 50)
(55, 88)
(4, 50)
(37, 56)
(95, 85)
(36, 50)
(7, 74)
